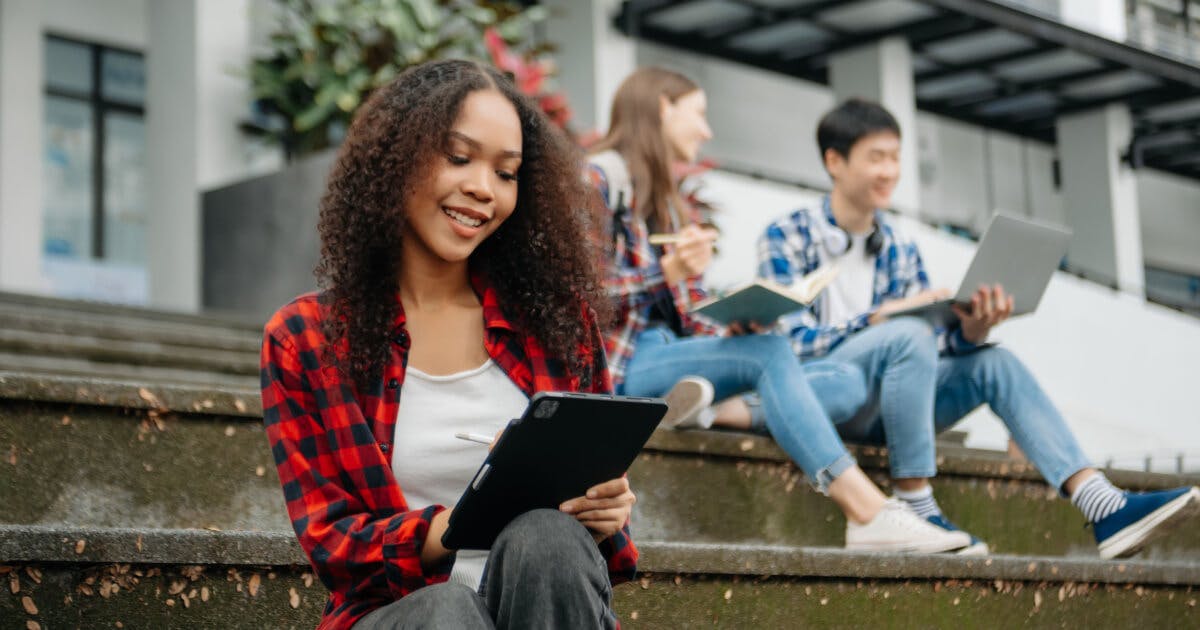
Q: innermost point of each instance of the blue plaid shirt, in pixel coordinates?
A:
(790, 249)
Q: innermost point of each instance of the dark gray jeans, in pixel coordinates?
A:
(544, 571)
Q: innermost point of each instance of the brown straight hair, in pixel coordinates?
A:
(636, 132)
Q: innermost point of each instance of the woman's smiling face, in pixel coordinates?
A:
(472, 189)
(685, 125)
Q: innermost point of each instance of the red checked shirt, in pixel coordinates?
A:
(634, 278)
(332, 449)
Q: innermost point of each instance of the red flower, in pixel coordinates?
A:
(528, 75)
(555, 106)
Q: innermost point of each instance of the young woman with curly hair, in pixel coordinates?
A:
(658, 117)
(456, 282)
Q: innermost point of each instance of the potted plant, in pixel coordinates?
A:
(326, 56)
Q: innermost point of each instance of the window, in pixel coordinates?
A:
(94, 153)
(1171, 15)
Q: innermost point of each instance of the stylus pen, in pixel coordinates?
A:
(663, 239)
(671, 239)
(474, 437)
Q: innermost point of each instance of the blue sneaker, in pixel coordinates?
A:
(976, 548)
(1146, 516)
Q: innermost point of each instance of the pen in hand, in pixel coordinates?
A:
(474, 437)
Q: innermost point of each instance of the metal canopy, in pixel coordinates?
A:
(978, 61)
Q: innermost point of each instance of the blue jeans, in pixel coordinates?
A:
(738, 364)
(909, 385)
(839, 387)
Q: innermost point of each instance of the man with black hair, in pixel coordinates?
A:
(921, 381)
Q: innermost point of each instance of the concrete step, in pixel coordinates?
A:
(97, 577)
(51, 367)
(110, 453)
(100, 309)
(52, 321)
(128, 352)
(707, 486)
(202, 460)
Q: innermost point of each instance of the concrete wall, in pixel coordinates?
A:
(1123, 395)
(1170, 220)
(966, 172)
(113, 22)
(260, 238)
(1103, 17)
(595, 62)
(761, 122)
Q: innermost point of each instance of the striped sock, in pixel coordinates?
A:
(1097, 498)
(921, 501)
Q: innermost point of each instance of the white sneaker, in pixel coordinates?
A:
(898, 528)
(688, 404)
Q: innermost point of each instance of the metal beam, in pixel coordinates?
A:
(985, 64)
(633, 12)
(1004, 89)
(647, 8)
(801, 12)
(1181, 80)
(762, 16)
(1148, 128)
(710, 48)
(1136, 101)
(1058, 84)
(964, 115)
(929, 29)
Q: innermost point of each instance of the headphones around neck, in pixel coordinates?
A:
(839, 240)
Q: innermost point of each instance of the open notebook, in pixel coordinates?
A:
(764, 301)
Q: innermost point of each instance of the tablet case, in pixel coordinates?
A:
(562, 445)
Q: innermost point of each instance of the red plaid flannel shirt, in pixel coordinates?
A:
(635, 279)
(332, 448)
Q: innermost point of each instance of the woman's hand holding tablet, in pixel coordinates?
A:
(605, 509)
(569, 451)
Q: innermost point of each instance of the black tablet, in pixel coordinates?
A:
(562, 445)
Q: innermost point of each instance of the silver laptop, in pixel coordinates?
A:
(1019, 254)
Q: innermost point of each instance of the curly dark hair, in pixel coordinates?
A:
(540, 261)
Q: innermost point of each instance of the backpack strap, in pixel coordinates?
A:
(616, 174)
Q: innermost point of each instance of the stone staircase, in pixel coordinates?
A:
(139, 491)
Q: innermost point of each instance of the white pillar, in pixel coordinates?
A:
(222, 47)
(194, 102)
(593, 57)
(882, 71)
(173, 225)
(1100, 197)
(1102, 17)
(21, 102)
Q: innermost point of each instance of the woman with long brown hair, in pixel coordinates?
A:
(659, 117)
(456, 286)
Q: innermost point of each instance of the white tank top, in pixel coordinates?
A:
(430, 464)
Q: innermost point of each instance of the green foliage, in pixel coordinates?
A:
(326, 56)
